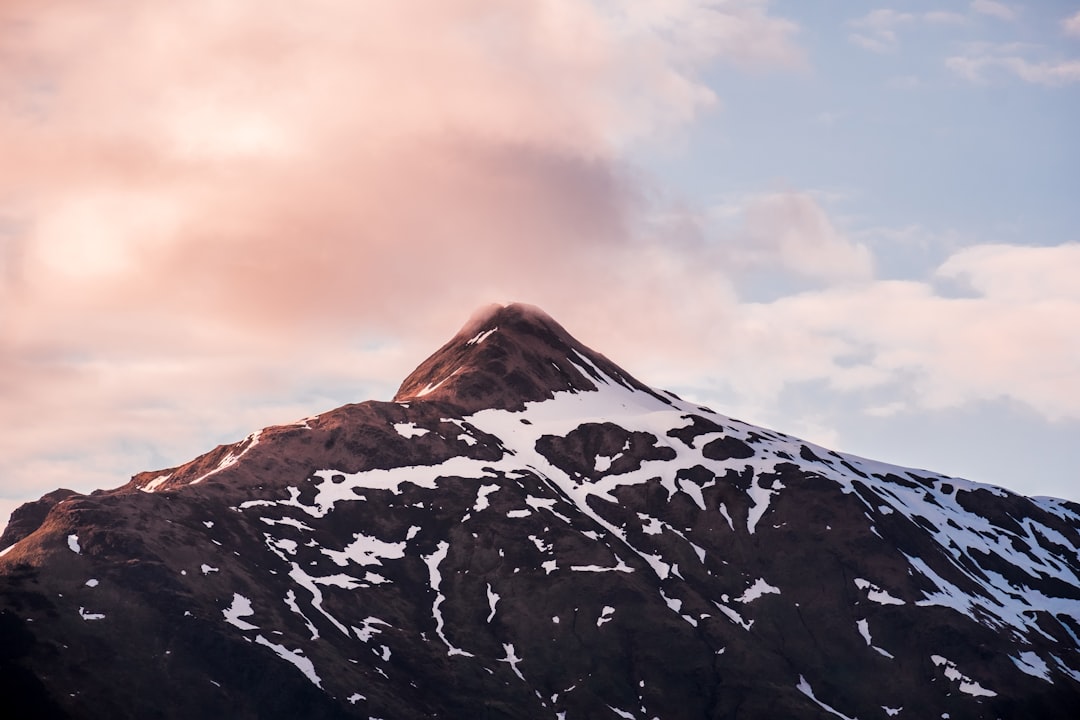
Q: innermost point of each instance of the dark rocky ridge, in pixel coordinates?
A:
(410, 559)
(506, 356)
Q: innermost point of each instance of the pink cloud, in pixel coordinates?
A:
(202, 201)
(793, 231)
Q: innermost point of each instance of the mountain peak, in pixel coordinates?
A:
(508, 355)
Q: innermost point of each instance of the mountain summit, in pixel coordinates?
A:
(527, 531)
(509, 355)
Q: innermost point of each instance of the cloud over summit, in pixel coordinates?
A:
(202, 195)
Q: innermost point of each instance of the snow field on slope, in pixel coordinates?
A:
(954, 529)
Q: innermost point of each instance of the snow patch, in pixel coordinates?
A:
(876, 594)
(409, 430)
(73, 543)
(296, 657)
(365, 633)
(493, 598)
(650, 525)
(366, 550)
(621, 567)
(760, 497)
(1032, 664)
(759, 588)
(480, 337)
(231, 457)
(734, 616)
(291, 522)
(805, 689)
(155, 483)
(693, 491)
(90, 615)
(435, 578)
(864, 630)
(967, 685)
(241, 607)
(727, 516)
(482, 497)
(512, 659)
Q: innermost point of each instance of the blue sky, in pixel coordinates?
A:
(917, 156)
(849, 222)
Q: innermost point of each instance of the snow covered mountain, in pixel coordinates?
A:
(526, 531)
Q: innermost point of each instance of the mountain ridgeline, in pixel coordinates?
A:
(527, 531)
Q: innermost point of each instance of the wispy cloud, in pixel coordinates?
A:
(994, 9)
(1071, 24)
(978, 64)
(877, 30)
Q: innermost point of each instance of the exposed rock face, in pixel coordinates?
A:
(505, 357)
(529, 532)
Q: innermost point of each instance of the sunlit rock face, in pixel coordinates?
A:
(527, 531)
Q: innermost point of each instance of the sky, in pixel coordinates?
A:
(856, 224)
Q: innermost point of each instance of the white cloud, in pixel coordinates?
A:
(1044, 73)
(973, 68)
(1071, 24)
(1015, 339)
(876, 31)
(1021, 274)
(994, 9)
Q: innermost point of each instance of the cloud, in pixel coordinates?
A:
(1012, 337)
(994, 9)
(215, 215)
(1071, 24)
(973, 68)
(790, 230)
(877, 29)
(1010, 273)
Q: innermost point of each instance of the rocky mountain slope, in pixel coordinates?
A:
(526, 531)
